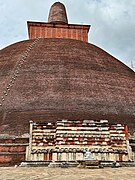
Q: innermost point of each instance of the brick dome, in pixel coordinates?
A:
(63, 78)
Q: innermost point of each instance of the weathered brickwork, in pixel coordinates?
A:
(64, 79)
(11, 159)
(57, 26)
(12, 150)
(68, 140)
(55, 76)
(58, 14)
(49, 30)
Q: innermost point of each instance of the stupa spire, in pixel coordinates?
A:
(58, 26)
(58, 14)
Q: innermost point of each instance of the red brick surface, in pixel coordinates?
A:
(12, 148)
(11, 159)
(47, 30)
(57, 13)
(68, 79)
(14, 140)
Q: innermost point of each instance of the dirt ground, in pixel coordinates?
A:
(44, 173)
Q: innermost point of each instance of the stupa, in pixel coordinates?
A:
(56, 74)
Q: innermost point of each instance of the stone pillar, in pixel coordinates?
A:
(41, 157)
(59, 156)
(129, 149)
(79, 156)
(74, 156)
(30, 141)
(63, 156)
(34, 157)
(54, 157)
(67, 156)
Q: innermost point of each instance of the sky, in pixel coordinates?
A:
(112, 22)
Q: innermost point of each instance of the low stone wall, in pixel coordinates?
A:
(12, 151)
(122, 163)
(47, 163)
(73, 163)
